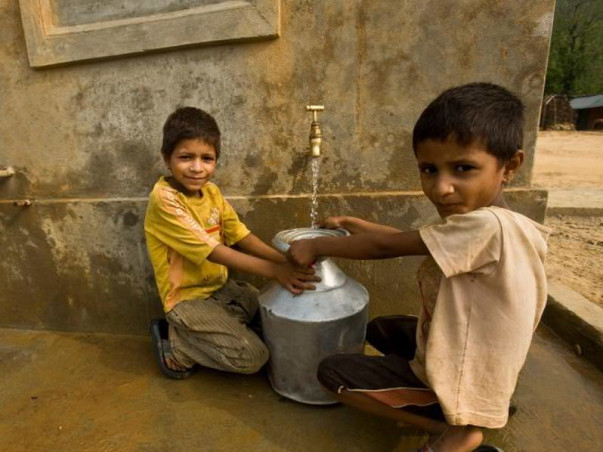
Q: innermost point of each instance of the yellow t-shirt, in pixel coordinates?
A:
(181, 232)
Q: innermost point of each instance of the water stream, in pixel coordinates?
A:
(314, 205)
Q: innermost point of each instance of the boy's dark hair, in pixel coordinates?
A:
(478, 111)
(187, 123)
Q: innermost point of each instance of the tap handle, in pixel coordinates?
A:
(315, 109)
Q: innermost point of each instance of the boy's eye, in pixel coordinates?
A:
(427, 169)
(208, 158)
(464, 168)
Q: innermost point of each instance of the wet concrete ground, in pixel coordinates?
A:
(78, 392)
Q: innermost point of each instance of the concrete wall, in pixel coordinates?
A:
(84, 139)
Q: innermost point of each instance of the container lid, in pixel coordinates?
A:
(331, 276)
(336, 296)
(282, 239)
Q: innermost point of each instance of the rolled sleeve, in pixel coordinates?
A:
(233, 229)
(465, 243)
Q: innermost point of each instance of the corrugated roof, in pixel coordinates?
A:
(580, 103)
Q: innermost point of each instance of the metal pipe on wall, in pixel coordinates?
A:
(7, 172)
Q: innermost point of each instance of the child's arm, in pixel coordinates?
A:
(253, 245)
(371, 245)
(356, 225)
(295, 280)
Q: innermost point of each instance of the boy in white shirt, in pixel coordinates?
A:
(483, 285)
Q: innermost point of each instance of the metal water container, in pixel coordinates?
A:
(302, 330)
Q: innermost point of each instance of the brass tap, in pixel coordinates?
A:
(315, 132)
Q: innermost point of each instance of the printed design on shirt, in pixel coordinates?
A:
(213, 221)
(173, 205)
(214, 216)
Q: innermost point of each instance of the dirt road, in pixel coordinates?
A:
(568, 160)
(573, 160)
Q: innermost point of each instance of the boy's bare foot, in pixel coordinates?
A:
(168, 363)
(456, 439)
(169, 359)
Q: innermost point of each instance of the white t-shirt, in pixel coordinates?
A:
(483, 292)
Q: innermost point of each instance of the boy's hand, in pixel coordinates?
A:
(295, 279)
(301, 253)
(332, 223)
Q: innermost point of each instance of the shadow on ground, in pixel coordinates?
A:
(79, 392)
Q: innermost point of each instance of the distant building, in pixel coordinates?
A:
(556, 113)
(590, 112)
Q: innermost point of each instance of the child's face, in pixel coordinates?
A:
(459, 179)
(192, 165)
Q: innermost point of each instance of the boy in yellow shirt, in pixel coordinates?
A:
(190, 229)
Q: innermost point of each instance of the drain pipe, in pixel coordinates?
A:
(7, 172)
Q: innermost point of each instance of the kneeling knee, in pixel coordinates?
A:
(328, 373)
(251, 358)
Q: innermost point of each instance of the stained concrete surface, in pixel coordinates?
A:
(84, 138)
(82, 392)
(82, 265)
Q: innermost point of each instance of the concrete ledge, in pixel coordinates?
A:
(576, 320)
(577, 202)
(81, 264)
(574, 211)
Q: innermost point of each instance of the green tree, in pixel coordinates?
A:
(576, 56)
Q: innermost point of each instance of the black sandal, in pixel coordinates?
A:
(159, 334)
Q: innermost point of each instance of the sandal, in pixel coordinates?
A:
(425, 448)
(159, 334)
(482, 448)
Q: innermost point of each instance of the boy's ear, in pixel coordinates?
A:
(513, 165)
